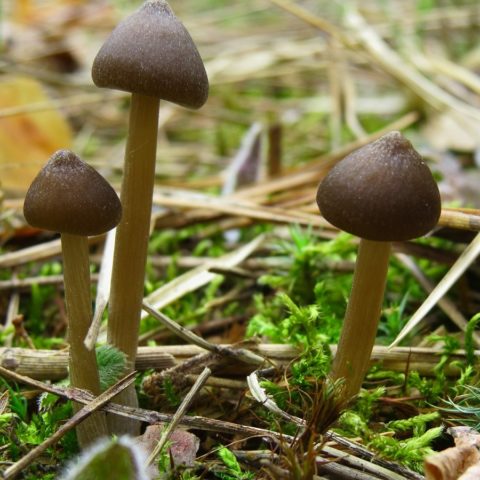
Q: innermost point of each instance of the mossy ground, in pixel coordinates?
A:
(266, 65)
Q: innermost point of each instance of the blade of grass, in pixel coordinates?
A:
(103, 289)
(199, 276)
(464, 261)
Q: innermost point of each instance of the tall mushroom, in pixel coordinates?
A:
(382, 192)
(151, 55)
(70, 197)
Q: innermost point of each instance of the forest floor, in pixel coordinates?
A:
(247, 284)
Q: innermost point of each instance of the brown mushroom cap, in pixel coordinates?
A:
(383, 191)
(152, 53)
(69, 196)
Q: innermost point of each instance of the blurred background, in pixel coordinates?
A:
(299, 80)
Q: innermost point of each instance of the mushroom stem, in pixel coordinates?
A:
(82, 362)
(128, 275)
(363, 313)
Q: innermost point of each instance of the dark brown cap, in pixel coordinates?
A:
(69, 196)
(152, 53)
(383, 191)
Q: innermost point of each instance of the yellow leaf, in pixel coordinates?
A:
(27, 139)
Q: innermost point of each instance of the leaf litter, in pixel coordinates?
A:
(267, 63)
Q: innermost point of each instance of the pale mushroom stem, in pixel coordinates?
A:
(131, 242)
(359, 330)
(82, 362)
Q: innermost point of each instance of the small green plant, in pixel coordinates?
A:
(306, 261)
(465, 408)
(434, 389)
(469, 340)
(409, 447)
(410, 452)
(417, 425)
(299, 327)
(21, 430)
(233, 469)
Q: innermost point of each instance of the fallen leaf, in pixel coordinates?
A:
(27, 139)
(454, 463)
(183, 445)
(472, 473)
(450, 463)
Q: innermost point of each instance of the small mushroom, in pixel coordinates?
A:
(151, 55)
(70, 197)
(382, 192)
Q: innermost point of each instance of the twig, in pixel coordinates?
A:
(92, 406)
(148, 416)
(362, 35)
(190, 337)
(392, 63)
(343, 465)
(12, 314)
(203, 423)
(199, 276)
(219, 382)
(74, 101)
(460, 219)
(25, 283)
(52, 364)
(193, 363)
(362, 465)
(41, 251)
(311, 19)
(179, 414)
(365, 454)
(236, 207)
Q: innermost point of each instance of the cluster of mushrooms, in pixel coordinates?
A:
(151, 55)
(383, 192)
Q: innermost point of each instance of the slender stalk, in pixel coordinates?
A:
(82, 362)
(128, 276)
(363, 313)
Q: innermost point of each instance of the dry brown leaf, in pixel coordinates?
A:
(450, 463)
(472, 473)
(27, 140)
(183, 445)
(453, 463)
(58, 12)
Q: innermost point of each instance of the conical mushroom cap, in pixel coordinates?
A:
(152, 53)
(383, 191)
(69, 196)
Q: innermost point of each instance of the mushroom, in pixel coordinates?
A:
(382, 192)
(70, 197)
(151, 55)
